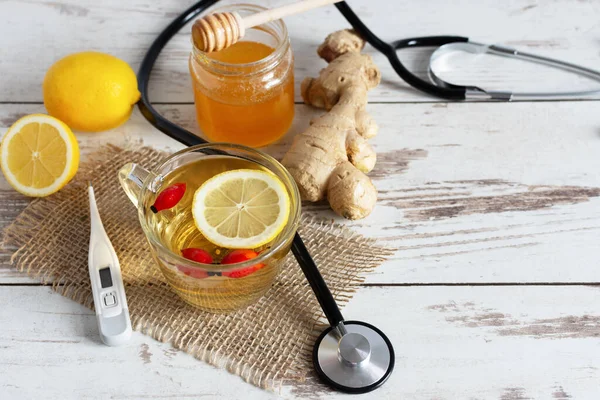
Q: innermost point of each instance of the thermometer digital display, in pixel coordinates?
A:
(105, 278)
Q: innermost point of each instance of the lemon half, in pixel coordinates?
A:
(39, 155)
(241, 209)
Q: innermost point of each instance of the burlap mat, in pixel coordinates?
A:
(266, 344)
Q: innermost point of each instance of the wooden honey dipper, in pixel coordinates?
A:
(217, 31)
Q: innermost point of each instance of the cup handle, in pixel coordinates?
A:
(132, 178)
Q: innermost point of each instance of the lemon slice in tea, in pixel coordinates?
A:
(241, 209)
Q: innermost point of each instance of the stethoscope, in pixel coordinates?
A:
(449, 44)
(354, 356)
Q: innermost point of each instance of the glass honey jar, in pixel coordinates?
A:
(244, 94)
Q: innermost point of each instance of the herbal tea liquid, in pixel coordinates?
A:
(176, 229)
(254, 104)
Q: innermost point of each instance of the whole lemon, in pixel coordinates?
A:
(90, 91)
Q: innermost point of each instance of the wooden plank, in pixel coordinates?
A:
(468, 192)
(466, 342)
(127, 28)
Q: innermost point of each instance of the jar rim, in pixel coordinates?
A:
(227, 68)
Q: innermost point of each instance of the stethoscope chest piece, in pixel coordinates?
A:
(354, 357)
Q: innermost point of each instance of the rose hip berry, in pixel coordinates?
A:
(198, 255)
(238, 256)
(169, 197)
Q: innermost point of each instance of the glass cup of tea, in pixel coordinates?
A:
(214, 287)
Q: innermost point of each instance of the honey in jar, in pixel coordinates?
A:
(244, 94)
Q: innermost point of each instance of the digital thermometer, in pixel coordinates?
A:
(110, 303)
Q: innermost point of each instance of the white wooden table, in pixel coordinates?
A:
(494, 208)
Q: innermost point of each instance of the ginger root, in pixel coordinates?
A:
(330, 159)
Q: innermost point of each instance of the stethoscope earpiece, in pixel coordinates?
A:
(354, 357)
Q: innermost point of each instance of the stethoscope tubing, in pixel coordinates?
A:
(145, 105)
(390, 51)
